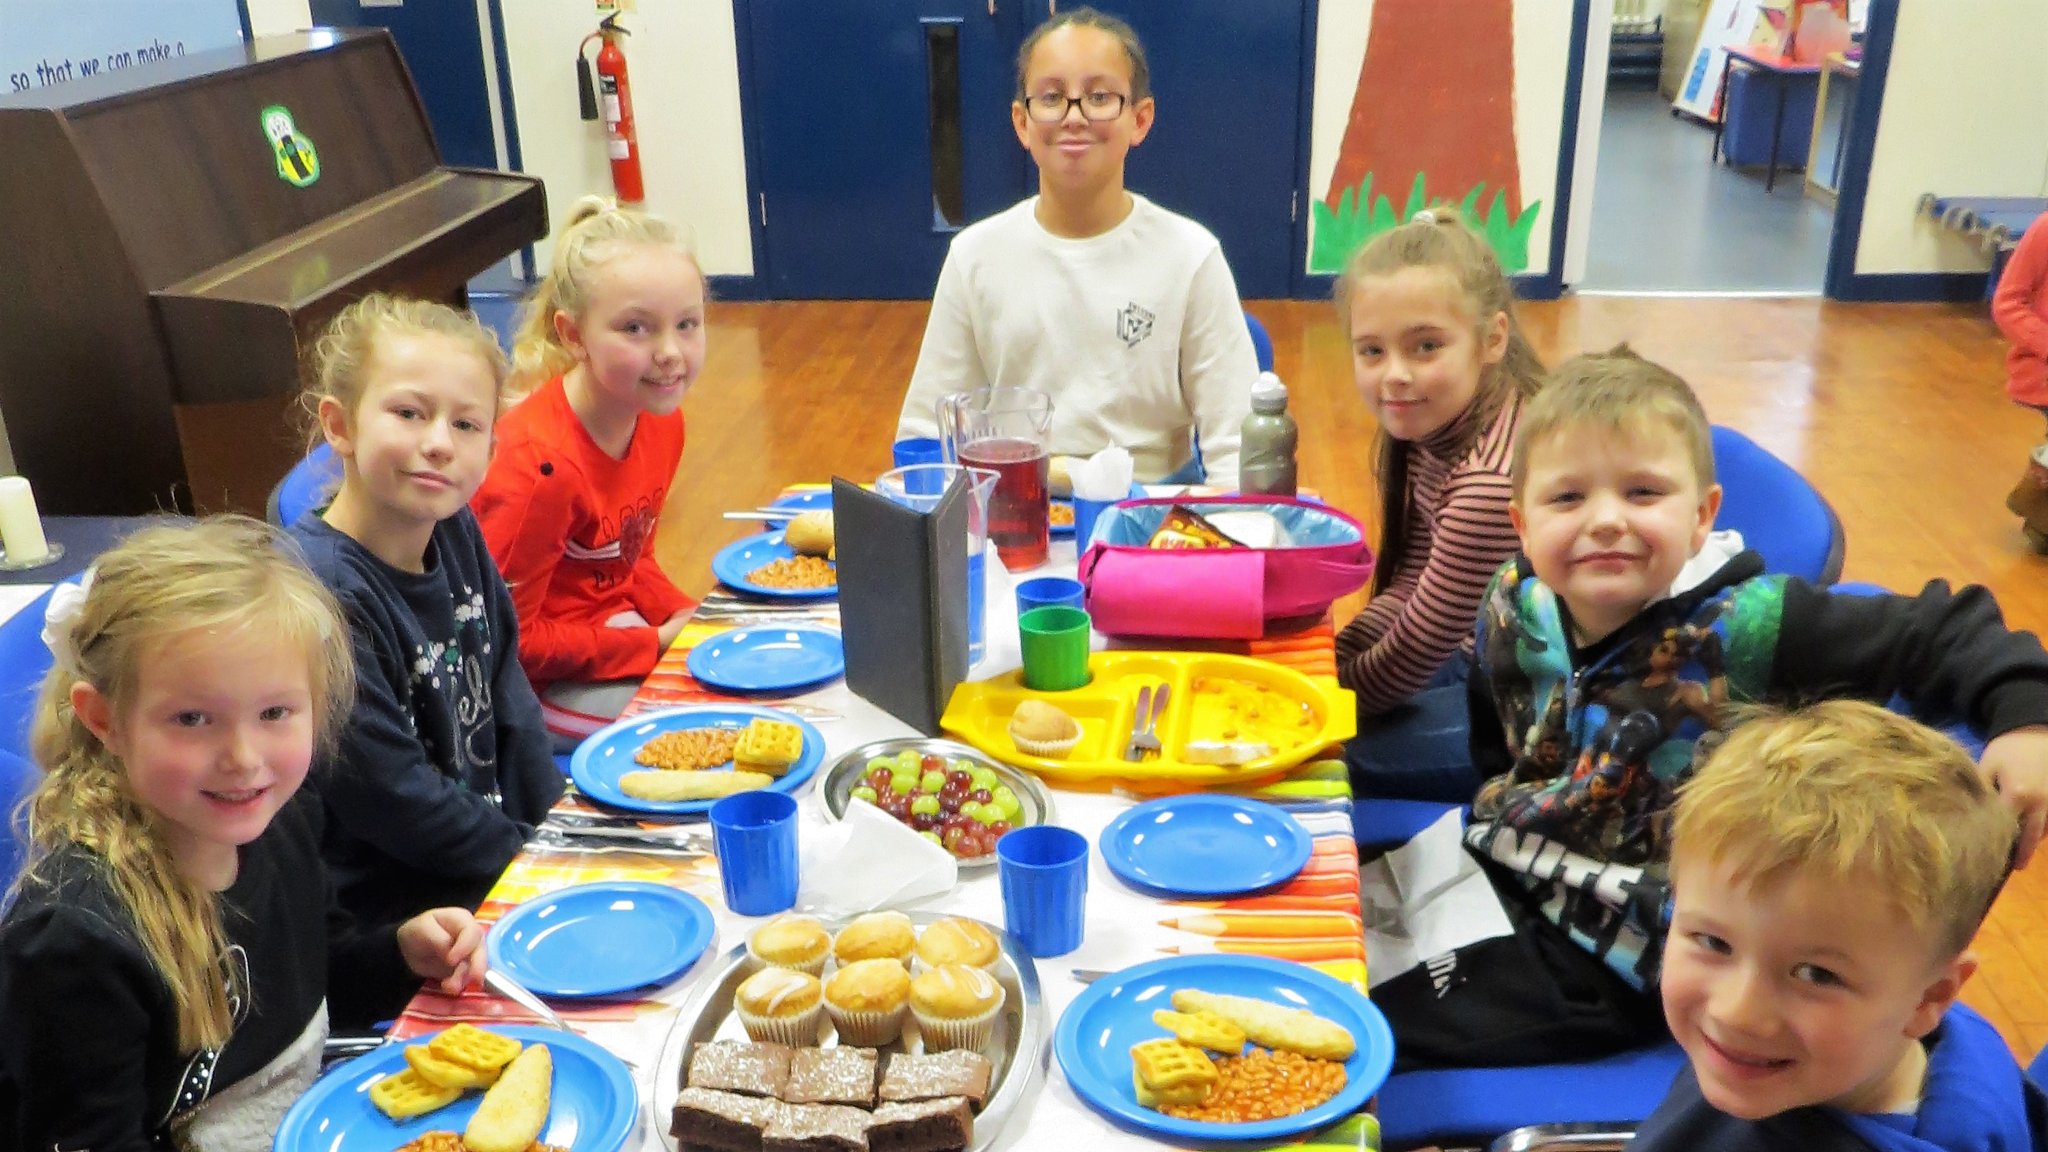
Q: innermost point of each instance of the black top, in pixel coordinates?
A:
(445, 764)
(88, 1031)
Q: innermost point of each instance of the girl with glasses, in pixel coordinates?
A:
(1121, 311)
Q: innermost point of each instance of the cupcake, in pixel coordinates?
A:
(866, 1000)
(780, 1006)
(957, 941)
(876, 936)
(796, 942)
(1040, 729)
(955, 1006)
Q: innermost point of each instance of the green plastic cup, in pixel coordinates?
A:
(1055, 643)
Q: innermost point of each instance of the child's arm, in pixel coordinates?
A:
(2017, 305)
(77, 1007)
(1392, 647)
(527, 774)
(527, 518)
(387, 792)
(1217, 367)
(444, 945)
(654, 595)
(948, 361)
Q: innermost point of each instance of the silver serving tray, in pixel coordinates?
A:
(838, 780)
(1019, 1048)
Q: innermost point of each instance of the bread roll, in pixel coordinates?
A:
(810, 534)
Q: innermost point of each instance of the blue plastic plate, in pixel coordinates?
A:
(600, 939)
(768, 658)
(593, 1107)
(1095, 1034)
(607, 754)
(1204, 845)
(735, 560)
(816, 501)
(1060, 531)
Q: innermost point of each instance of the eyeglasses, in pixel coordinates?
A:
(1051, 107)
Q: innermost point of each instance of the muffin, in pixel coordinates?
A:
(867, 1000)
(796, 942)
(955, 1006)
(957, 941)
(876, 936)
(780, 1006)
(1041, 729)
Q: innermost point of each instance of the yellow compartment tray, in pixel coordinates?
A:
(1213, 697)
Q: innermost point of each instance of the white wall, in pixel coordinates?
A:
(267, 17)
(684, 71)
(1543, 33)
(1965, 113)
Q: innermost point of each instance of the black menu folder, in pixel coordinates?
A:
(902, 599)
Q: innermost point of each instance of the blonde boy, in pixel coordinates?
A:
(1828, 869)
(1606, 652)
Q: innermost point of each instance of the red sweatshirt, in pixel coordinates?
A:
(573, 532)
(2021, 309)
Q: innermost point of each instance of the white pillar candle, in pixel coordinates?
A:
(21, 530)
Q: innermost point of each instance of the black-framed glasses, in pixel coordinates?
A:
(1051, 107)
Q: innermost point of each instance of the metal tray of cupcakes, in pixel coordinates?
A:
(1018, 1049)
(1023, 799)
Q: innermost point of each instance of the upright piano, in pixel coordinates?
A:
(174, 236)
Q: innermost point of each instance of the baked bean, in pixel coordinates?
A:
(1263, 1085)
(689, 749)
(795, 572)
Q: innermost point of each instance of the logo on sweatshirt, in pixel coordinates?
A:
(1133, 324)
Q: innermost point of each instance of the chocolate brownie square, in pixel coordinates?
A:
(722, 1121)
(832, 1076)
(817, 1128)
(925, 1126)
(959, 1072)
(747, 1067)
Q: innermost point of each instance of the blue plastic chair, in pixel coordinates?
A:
(1262, 344)
(1779, 513)
(305, 487)
(24, 661)
(1466, 1106)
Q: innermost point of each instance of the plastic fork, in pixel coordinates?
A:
(1147, 741)
(1135, 751)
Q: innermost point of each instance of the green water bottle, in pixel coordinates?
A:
(1266, 456)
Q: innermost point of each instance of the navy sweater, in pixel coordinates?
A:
(444, 766)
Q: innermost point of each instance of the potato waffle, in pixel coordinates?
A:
(795, 572)
(688, 749)
(447, 1073)
(1203, 1030)
(470, 1045)
(769, 746)
(1168, 1072)
(410, 1094)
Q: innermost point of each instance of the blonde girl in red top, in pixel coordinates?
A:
(2021, 309)
(610, 343)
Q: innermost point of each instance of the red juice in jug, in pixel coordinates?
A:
(1017, 509)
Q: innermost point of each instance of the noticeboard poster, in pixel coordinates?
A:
(46, 42)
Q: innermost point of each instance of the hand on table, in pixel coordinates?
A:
(673, 627)
(2016, 763)
(444, 944)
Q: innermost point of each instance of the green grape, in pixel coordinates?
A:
(1008, 806)
(925, 805)
(971, 808)
(985, 778)
(988, 813)
(864, 792)
(902, 785)
(933, 781)
(1002, 792)
(933, 837)
(875, 762)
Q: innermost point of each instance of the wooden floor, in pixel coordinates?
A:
(1896, 412)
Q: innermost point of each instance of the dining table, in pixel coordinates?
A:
(1312, 919)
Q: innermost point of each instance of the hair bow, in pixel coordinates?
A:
(60, 619)
(1423, 217)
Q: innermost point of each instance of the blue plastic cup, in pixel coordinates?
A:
(1044, 873)
(1048, 592)
(754, 834)
(920, 450)
(1085, 513)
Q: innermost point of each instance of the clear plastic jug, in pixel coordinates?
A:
(1006, 431)
(921, 486)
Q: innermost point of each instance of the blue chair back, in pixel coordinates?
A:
(305, 487)
(1778, 512)
(24, 661)
(1262, 344)
(17, 777)
(1466, 1106)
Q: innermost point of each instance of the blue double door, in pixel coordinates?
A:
(878, 128)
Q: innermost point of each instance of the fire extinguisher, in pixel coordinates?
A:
(617, 101)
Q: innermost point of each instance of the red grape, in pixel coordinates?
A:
(932, 763)
(980, 796)
(999, 827)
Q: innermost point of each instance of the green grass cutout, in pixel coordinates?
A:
(1360, 216)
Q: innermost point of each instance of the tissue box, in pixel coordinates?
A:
(1220, 593)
